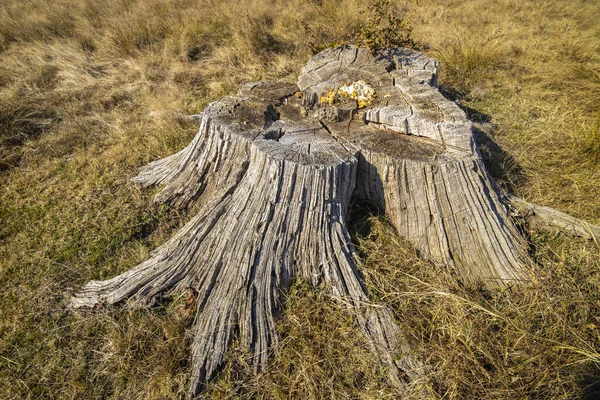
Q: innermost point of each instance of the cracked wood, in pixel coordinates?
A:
(274, 173)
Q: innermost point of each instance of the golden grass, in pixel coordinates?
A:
(520, 343)
(90, 91)
(537, 64)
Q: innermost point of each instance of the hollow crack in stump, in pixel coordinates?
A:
(275, 174)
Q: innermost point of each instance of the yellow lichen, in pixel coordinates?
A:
(362, 92)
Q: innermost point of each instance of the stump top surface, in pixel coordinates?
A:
(408, 119)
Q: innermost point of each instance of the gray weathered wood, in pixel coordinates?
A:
(419, 163)
(273, 171)
(275, 196)
(541, 217)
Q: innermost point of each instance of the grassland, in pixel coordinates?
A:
(90, 91)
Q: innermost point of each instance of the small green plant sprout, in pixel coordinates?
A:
(383, 29)
(362, 92)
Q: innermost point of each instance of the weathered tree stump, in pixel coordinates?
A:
(274, 170)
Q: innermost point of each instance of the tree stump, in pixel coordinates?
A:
(275, 168)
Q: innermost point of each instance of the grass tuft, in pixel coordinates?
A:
(591, 139)
(468, 62)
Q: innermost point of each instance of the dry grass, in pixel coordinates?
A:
(538, 342)
(90, 91)
(530, 68)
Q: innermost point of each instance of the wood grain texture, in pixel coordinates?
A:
(540, 217)
(275, 190)
(273, 173)
(429, 180)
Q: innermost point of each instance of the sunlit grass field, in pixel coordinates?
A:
(90, 91)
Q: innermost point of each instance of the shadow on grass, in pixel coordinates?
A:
(503, 167)
(591, 384)
(505, 170)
